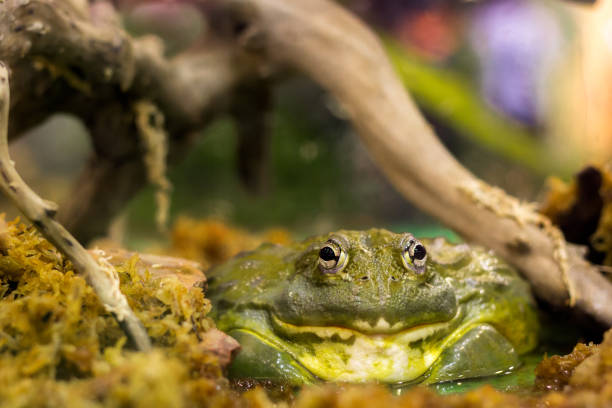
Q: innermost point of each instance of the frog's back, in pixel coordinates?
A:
(491, 288)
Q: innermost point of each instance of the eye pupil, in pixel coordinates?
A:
(327, 254)
(419, 252)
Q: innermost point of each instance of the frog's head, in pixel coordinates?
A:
(372, 282)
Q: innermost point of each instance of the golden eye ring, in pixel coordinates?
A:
(332, 258)
(414, 254)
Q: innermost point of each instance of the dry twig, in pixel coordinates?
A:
(100, 275)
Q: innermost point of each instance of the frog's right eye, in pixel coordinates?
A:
(331, 257)
(414, 254)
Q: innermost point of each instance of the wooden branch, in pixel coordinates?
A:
(101, 192)
(345, 57)
(251, 112)
(100, 275)
(69, 59)
(97, 58)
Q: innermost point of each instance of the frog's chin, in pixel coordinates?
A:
(341, 354)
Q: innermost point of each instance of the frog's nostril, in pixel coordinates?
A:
(393, 278)
(365, 278)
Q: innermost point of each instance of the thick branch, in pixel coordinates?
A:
(64, 58)
(100, 60)
(344, 56)
(102, 277)
(251, 111)
(100, 193)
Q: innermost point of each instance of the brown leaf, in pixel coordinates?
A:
(220, 344)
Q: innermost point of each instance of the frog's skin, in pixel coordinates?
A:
(380, 310)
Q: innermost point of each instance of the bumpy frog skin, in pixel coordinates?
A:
(372, 306)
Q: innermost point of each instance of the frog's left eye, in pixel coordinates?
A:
(414, 255)
(331, 257)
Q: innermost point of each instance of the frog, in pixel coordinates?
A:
(372, 306)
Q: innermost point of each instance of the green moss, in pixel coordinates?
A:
(60, 347)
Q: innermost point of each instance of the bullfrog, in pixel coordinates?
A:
(360, 306)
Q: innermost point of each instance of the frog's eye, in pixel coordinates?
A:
(331, 257)
(414, 255)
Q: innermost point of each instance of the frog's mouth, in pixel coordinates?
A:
(343, 354)
(382, 329)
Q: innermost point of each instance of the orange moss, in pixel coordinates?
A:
(210, 242)
(554, 373)
(583, 210)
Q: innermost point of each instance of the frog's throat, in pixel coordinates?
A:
(343, 354)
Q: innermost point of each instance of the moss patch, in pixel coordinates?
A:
(59, 347)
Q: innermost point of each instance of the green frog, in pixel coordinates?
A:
(372, 305)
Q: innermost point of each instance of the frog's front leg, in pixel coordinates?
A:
(261, 361)
(481, 352)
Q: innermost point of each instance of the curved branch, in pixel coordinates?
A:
(100, 275)
(79, 60)
(345, 57)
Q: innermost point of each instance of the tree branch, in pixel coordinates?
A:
(100, 275)
(80, 61)
(345, 57)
